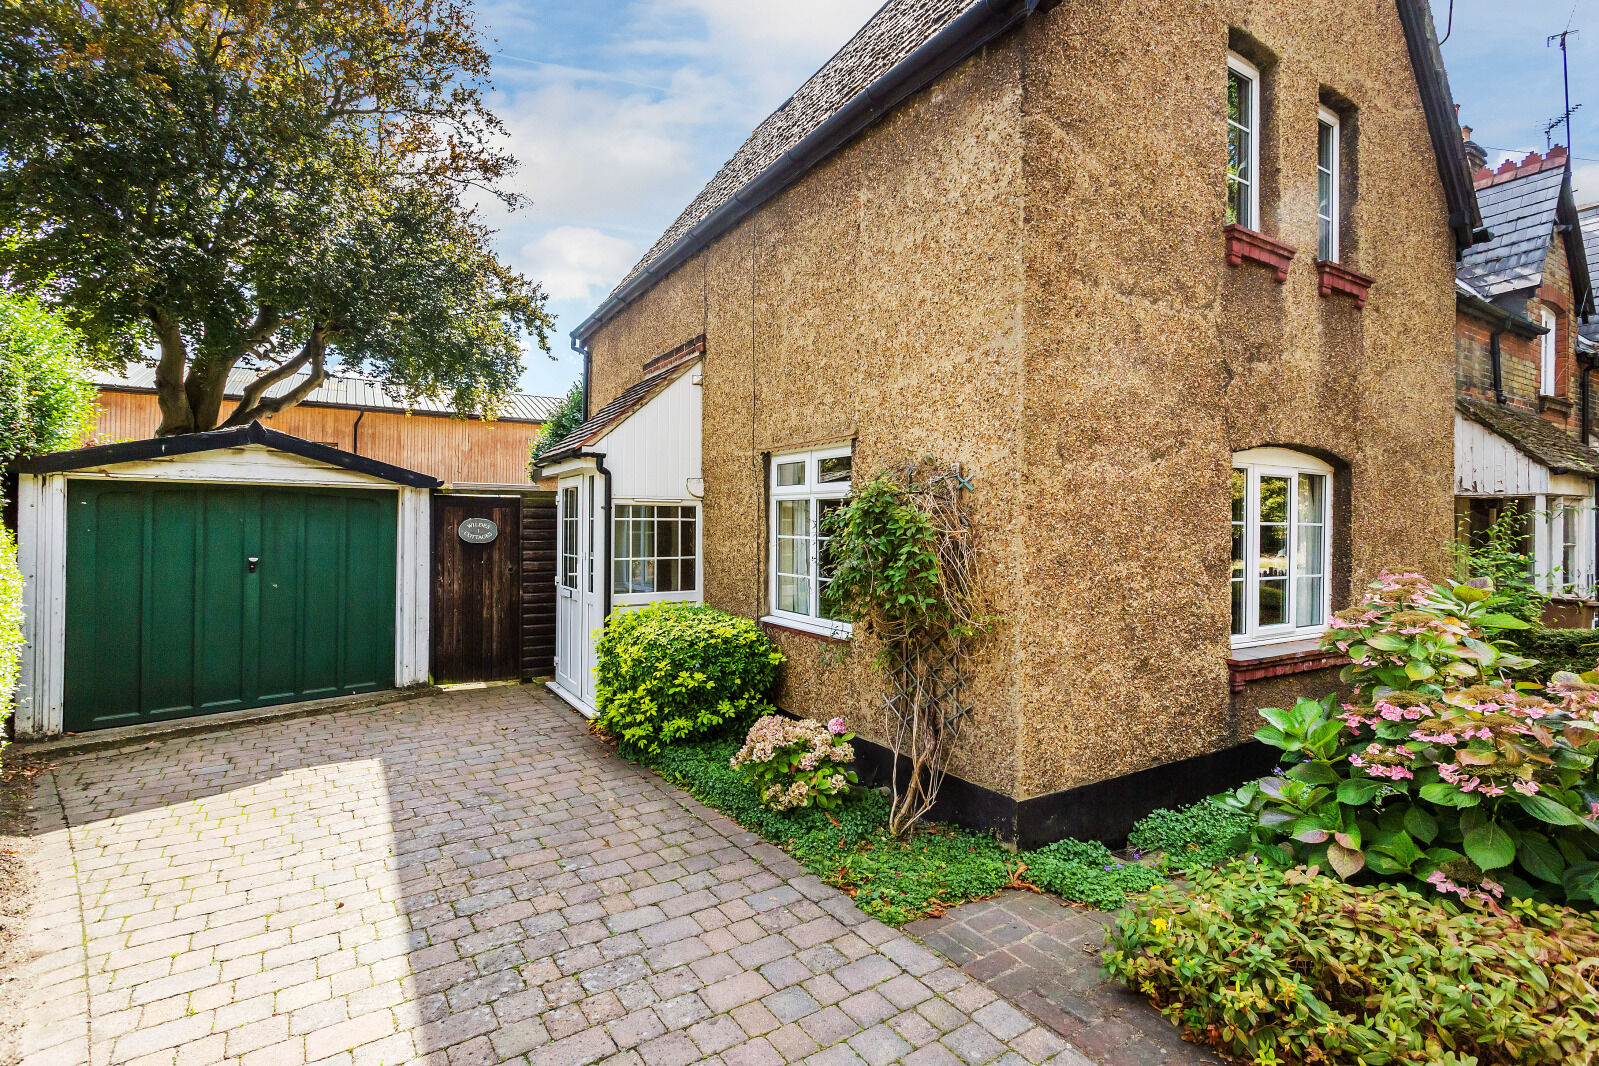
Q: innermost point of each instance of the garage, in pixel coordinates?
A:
(216, 572)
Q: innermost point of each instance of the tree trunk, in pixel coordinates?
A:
(176, 414)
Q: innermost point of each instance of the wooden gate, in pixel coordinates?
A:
(538, 584)
(477, 588)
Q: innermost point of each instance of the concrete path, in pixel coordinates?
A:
(462, 879)
(1044, 957)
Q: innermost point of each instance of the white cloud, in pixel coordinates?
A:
(577, 262)
(1585, 185)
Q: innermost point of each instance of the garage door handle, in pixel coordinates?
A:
(254, 562)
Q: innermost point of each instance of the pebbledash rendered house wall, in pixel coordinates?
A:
(1021, 268)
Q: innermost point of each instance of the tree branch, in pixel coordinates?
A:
(252, 408)
(176, 414)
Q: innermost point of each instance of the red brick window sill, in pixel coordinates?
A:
(1333, 278)
(1244, 243)
(1242, 671)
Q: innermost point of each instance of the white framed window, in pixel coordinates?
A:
(805, 488)
(569, 537)
(1327, 149)
(1282, 546)
(1243, 142)
(655, 552)
(1548, 354)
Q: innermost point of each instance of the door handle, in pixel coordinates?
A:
(254, 562)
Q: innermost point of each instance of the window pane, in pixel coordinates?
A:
(1238, 605)
(1273, 601)
(1274, 499)
(1309, 607)
(794, 594)
(791, 473)
(686, 571)
(666, 576)
(1326, 210)
(833, 470)
(1240, 491)
(1239, 139)
(793, 518)
(666, 539)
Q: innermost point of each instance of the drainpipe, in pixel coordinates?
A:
(355, 432)
(1497, 361)
(606, 527)
(1587, 368)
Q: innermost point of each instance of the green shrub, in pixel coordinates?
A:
(1556, 650)
(10, 625)
(46, 400)
(672, 671)
(797, 763)
(1499, 555)
(1288, 966)
(562, 423)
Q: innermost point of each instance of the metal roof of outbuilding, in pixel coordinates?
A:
(344, 390)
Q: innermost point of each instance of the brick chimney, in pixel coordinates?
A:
(1476, 154)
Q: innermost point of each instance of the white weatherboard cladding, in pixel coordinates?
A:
(42, 558)
(1488, 465)
(654, 453)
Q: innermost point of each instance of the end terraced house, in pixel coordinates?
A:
(1174, 284)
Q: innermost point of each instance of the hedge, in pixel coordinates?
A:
(1575, 650)
(10, 625)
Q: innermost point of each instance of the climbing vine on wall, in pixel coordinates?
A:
(902, 559)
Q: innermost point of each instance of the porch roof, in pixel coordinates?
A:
(1537, 438)
(614, 413)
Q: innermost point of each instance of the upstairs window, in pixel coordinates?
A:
(1282, 546)
(806, 488)
(1548, 354)
(1327, 147)
(1243, 142)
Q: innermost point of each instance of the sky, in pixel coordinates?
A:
(621, 110)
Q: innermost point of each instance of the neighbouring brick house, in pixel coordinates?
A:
(1174, 284)
(1523, 369)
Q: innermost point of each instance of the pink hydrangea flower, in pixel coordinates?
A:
(835, 726)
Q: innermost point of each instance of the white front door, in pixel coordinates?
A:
(579, 596)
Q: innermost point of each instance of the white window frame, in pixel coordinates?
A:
(1548, 353)
(1243, 67)
(1279, 462)
(815, 492)
(1329, 118)
(635, 599)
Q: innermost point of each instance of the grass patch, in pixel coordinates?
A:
(938, 866)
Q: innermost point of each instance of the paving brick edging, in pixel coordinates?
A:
(55, 1002)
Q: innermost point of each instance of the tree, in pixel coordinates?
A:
(260, 184)
(46, 398)
(566, 418)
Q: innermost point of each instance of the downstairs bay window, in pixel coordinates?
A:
(1281, 546)
(805, 487)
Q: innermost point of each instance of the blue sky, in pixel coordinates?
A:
(620, 110)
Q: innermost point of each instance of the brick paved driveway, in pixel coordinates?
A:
(466, 878)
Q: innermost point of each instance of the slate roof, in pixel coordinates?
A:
(1521, 214)
(1537, 438)
(894, 32)
(343, 390)
(631, 399)
(1589, 214)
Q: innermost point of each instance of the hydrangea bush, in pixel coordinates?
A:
(1434, 771)
(797, 762)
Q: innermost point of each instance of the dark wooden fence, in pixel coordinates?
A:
(538, 584)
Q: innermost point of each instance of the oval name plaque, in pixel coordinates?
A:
(477, 530)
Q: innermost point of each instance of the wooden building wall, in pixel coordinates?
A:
(457, 451)
(538, 584)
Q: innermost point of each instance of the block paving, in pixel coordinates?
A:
(1043, 956)
(465, 879)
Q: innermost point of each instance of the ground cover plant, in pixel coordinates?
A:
(901, 878)
(1287, 966)
(673, 671)
(1435, 772)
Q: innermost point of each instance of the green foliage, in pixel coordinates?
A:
(884, 553)
(260, 185)
(1556, 650)
(1206, 833)
(1285, 967)
(563, 422)
(1496, 554)
(10, 625)
(797, 762)
(672, 671)
(47, 402)
(1411, 634)
(1087, 871)
(899, 879)
(1481, 793)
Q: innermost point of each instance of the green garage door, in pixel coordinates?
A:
(188, 600)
